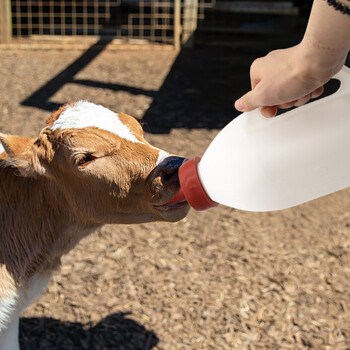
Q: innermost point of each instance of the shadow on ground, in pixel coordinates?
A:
(115, 332)
(41, 97)
(203, 83)
(199, 90)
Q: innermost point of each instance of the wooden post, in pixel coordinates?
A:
(177, 24)
(5, 21)
(190, 20)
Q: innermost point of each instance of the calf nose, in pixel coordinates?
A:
(170, 167)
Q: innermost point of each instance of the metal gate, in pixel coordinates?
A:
(153, 21)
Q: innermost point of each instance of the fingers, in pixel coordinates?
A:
(239, 105)
(246, 102)
(268, 111)
(287, 105)
(302, 100)
(318, 92)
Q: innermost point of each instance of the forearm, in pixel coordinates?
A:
(290, 77)
(327, 37)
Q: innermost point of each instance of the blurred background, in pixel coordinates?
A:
(221, 279)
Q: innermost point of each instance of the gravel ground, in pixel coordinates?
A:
(220, 279)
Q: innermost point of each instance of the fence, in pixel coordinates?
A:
(153, 21)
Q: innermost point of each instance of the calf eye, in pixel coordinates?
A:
(85, 159)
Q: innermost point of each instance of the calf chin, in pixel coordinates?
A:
(166, 181)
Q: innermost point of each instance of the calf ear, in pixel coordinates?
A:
(21, 154)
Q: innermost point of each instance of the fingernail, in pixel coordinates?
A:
(239, 105)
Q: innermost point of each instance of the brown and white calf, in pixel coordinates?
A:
(88, 167)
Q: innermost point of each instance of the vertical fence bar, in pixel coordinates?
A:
(40, 18)
(96, 21)
(177, 24)
(154, 9)
(29, 18)
(190, 20)
(63, 18)
(5, 21)
(19, 18)
(85, 17)
(141, 21)
(74, 17)
(108, 13)
(52, 18)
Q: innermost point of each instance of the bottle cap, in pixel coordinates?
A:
(191, 187)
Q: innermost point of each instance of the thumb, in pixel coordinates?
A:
(246, 103)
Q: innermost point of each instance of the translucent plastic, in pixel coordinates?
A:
(265, 164)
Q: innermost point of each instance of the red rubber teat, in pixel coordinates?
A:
(191, 187)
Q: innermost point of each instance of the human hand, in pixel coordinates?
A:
(286, 78)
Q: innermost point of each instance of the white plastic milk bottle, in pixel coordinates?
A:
(265, 164)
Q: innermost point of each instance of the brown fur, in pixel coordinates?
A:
(48, 201)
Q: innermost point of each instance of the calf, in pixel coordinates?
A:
(88, 167)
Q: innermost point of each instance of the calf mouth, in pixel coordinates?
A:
(172, 212)
(166, 179)
(173, 206)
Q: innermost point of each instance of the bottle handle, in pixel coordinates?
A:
(344, 77)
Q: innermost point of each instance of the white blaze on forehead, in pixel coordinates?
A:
(85, 114)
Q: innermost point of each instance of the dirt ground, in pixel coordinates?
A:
(220, 279)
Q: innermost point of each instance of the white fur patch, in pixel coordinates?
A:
(11, 307)
(7, 307)
(162, 155)
(2, 149)
(85, 114)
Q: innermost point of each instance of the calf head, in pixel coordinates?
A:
(101, 165)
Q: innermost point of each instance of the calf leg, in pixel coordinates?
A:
(10, 310)
(9, 336)
(9, 322)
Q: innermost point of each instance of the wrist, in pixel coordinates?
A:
(326, 41)
(319, 61)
